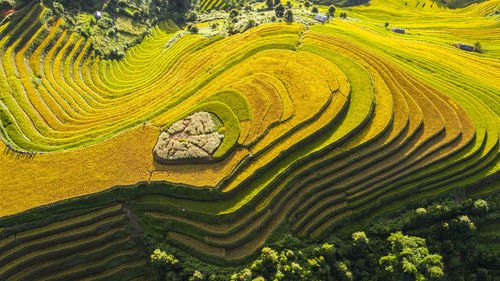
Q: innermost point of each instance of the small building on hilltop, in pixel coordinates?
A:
(465, 47)
(398, 30)
(320, 18)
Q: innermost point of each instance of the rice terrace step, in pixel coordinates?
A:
(245, 140)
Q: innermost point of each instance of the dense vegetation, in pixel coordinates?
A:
(448, 234)
(449, 238)
(120, 25)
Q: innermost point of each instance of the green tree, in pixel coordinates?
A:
(343, 272)
(234, 13)
(478, 47)
(314, 10)
(307, 4)
(270, 4)
(409, 259)
(166, 265)
(197, 276)
(267, 264)
(359, 238)
(192, 28)
(386, 25)
(289, 16)
(331, 10)
(191, 16)
(243, 275)
(277, 2)
(289, 4)
(250, 23)
(279, 11)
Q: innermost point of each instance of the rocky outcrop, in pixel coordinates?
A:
(192, 139)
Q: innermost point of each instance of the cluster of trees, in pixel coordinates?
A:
(280, 10)
(407, 258)
(438, 240)
(455, 230)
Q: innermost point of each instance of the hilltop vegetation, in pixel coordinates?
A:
(121, 25)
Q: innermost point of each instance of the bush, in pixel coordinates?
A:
(250, 23)
(279, 11)
(197, 276)
(314, 10)
(270, 4)
(234, 13)
(331, 10)
(478, 47)
(289, 16)
(307, 4)
(360, 238)
(192, 28)
(289, 4)
(191, 17)
(421, 211)
(480, 204)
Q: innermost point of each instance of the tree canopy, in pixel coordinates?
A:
(409, 259)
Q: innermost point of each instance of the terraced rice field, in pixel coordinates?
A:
(207, 5)
(326, 122)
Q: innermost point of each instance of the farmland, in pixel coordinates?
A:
(323, 129)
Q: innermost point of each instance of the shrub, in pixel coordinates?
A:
(481, 204)
(279, 11)
(314, 10)
(307, 4)
(197, 276)
(192, 28)
(111, 31)
(343, 271)
(289, 16)
(289, 4)
(234, 13)
(270, 4)
(386, 25)
(250, 23)
(421, 211)
(360, 238)
(331, 10)
(478, 47)
(243, 275)
(466, 222)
